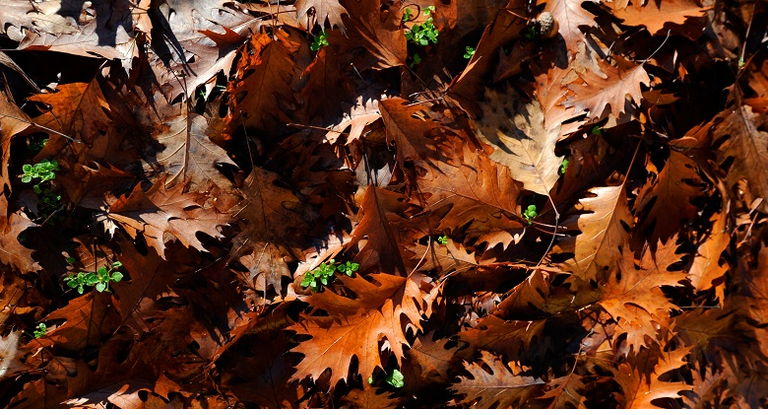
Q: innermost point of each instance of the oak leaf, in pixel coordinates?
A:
(274, 217)
(667, 199)
(603, 225)
(9, 355)
(741, 137)
(101, 28)
(82, 112)
(12, 252)
(598, 93)
(261, 90)
(511, 339)
(515, 130)
(492, 384)
(325, 10)
(706, 272)
(383, 309)
(471, 193)
(639, 378)
(371, 398)
(379, 30)
(632, 295)
(569, 15)
(189, 155)
(12, 121)
(195, 39)
(655, 16)
(160, 213)
(566, 392)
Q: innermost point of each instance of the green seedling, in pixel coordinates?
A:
(396, 379)
(407, 15)
(470, 51)
(442, 240)
(40, 330)
(415, 60)
(45, 171)
(320, 41)
(530, 213)
(563, 166)
(597, 130)
(424, 33)
(325, 272)
(100, 279)
(37, 143)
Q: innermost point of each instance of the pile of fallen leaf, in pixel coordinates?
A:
(555, 204)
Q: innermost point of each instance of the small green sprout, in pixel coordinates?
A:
(320, 41)
(415, 60)
(348, 268)
(563, 166)
(37, 143)
(597, 130)
(49, 202)
(45, 171)
(325, 272)
(530, 213)
(470, 51)
(407, 15)
(40, 330)
(442, 240)
(396, 379)
(101, 278)
(529, 32)
(424, 33)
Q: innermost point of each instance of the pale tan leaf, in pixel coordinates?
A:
(515, 129)
(189, 155)
(604, 226)
(656, 15)
(570, 15)
(325, 10)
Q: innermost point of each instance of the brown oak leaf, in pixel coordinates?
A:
(384, 309)
(632, 295)
(160, 213)
(639, 378)
(667, 199)
(598, 93)
(492, 384)
(514, 127)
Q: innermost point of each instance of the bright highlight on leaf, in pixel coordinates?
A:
(321, 206)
